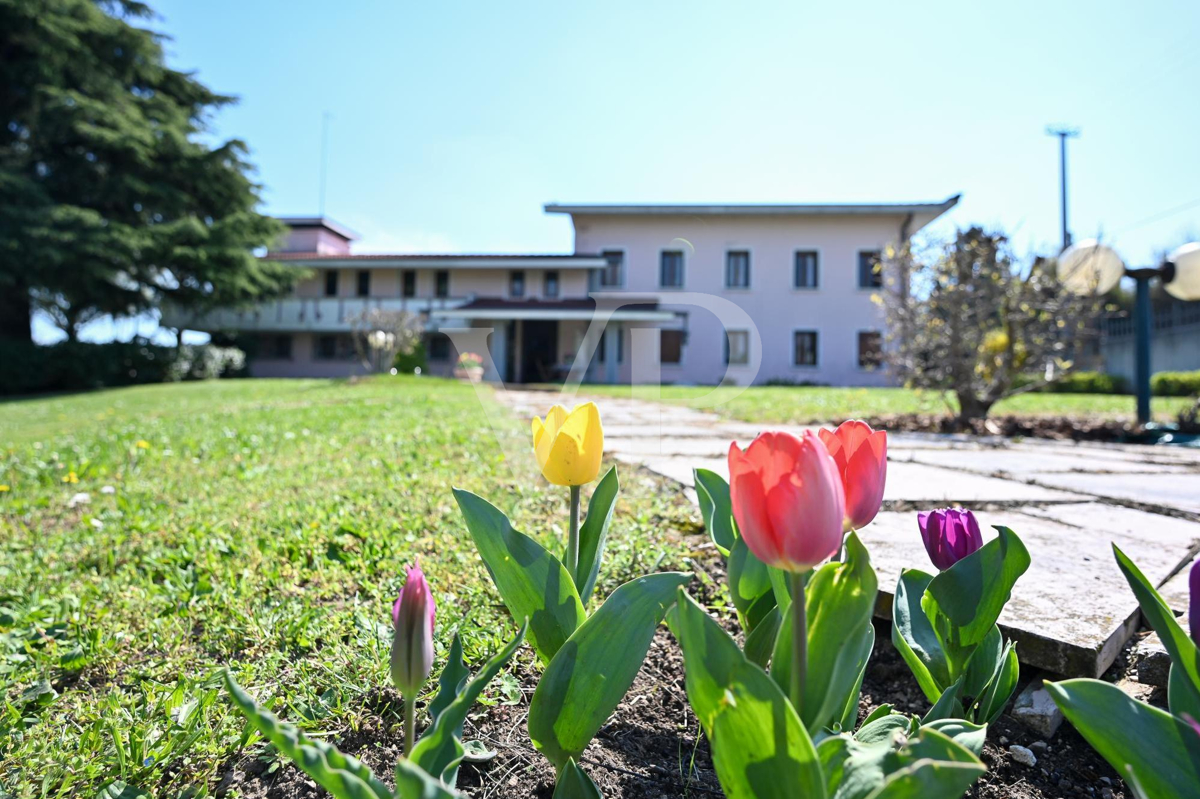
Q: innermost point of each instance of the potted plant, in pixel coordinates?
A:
(470, 367)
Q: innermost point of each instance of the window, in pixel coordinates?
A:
(331, 281)
(671, 346)
(277, 347)
(737, 269)
(870, 349)
(612, 275)
(870, 270)
(516, 283)
(439, 347)
(364, 283)
(331, 347)
(805, 274)
(619, 335)
(550, 283)
(804, 348)
(737, 346)
(442, 281)
(670, 269)
(408, 283)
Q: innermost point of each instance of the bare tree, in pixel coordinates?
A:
(380, 335)
(963, 317)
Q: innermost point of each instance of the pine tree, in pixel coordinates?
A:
(111, 202)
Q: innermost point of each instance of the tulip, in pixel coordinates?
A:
(861, 457)
(789, 505)
(569, 445)
(787, 499)
(1194, 602)
(950, 535)
(412, 644)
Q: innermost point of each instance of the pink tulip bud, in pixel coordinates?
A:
(861, 457)
(787, 499)
(950, 535)
(412, 641)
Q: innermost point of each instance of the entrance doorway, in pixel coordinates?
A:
(539, 350)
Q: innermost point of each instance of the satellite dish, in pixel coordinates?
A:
(1090, 267)
(1186, 283)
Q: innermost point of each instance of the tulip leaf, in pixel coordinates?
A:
(948, 705)
(926, 765)
(884, 728)
(593, 670)
(1181, 699)
(593, 532)
(1185, 656)
(969, 735)
(990, 704)
(983, 663)
(574, 783)
(839, 602)
(712, 490)
(412, 782)
(440, 751)
(532, 582)
(450, 683)
(854, 658)
(749, 585)
(964, 601)
(343, 776)
(1157, 750)
(914, 637)
(760, 642)
(760, 749)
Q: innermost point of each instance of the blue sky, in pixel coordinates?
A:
(453, 122)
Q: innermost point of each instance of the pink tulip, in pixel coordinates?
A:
(787, 499)
(949, 535)
(412, 641)
(861, 457)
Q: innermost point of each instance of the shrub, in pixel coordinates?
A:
(1089, 383)
(1175, 384)
(408, 362)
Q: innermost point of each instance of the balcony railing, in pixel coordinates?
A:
(321, 314)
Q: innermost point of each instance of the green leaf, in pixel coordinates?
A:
(760, 642)
(839, 602)
(964, 601)
(749, 584)
(1161, 752)
(970, 736)
(1181, 699)
(990, 705)
(983, 663)
(453, 678)
(595, 667)
(878, 713)
(928, 765)
(118, 789)
(861, 652)
(948, 705)
(343, 776)
(883, 728)
(413, 782)
(439, 751)
(574, 783)
(760, 748)
(716, 509)
(594, 532)
(1184, 653)
(914, 637)
(532, 582)
(930, 779)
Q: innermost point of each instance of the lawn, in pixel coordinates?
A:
(261, 525)
(823, 405)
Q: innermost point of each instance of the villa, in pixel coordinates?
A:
(689, 294)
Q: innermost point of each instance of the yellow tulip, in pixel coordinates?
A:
(569, 445)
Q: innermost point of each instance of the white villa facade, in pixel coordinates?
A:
(692, 294)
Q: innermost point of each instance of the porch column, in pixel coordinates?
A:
(611, 334)
(498, 347)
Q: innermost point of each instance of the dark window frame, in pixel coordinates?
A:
(814, 337)
(362, 283)
(870, 277)
(438, 347)
(616, 262)
(729, 349)
(551, 286)
(441, 281)
(331, 282)
(516, 283)
(870, 364)
(812, 276)
(731, 271)
(408, 283)
(663, 332)
(677, 268)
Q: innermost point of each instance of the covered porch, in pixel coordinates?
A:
(538, 341)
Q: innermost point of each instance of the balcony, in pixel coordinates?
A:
(316, 314)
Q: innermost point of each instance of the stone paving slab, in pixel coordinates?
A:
(1072, 611)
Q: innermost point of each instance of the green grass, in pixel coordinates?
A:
(262, 525)
(821, 405)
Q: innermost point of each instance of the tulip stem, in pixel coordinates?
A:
(410, 734)
(573, 535)
(799, 641)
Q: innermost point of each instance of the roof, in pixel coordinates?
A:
(864, 209)
(499, 308)
(472, 260)
(337, 228)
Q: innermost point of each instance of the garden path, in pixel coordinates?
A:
(1072, 611)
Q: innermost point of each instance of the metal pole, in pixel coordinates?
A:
(1142, 315)
(1062, 177)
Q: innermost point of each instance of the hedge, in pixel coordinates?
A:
(1175, 384)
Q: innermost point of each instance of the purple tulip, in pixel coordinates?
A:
(1194, 601)
(412, 642)
(950, 535)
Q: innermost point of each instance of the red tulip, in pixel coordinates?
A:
(861, 457)
(787, 499)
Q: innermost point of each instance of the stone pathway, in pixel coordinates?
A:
(1072, 611)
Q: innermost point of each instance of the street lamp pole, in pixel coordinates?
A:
(1143, 313)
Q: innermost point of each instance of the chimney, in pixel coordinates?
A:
(316, 235)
